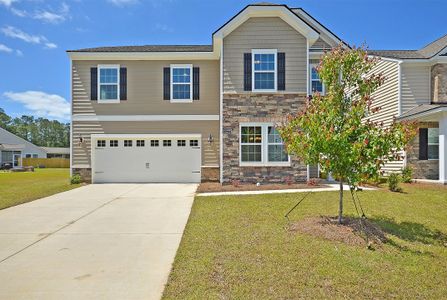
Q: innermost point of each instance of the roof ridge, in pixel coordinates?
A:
(432, 42)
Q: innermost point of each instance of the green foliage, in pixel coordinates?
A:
(407, 174)
(393, 182)
(39, 131)
(338, 130)
(76, 179)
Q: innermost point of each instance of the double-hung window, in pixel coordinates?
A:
(261, 145)
(181, 83)
(433, 143)
(316, 85)
(108, 83)
(264, 70)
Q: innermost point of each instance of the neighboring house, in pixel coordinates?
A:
(57, 152)
(12, 148)
(416, 90)
(192, 113)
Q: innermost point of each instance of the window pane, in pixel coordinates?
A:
(251, 153)
(317, 86)
(108, 92)
(251, 134)
(273, 135)
(181, 75)
(433, 136)
(433, 151)
(315, 74)
(264, 62)
(108, 75)
(181, 91)
(277, 153)
(264, 81)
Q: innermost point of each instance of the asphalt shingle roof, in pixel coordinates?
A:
(426, 52)
(150, 48)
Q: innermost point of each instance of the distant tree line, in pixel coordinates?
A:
(39, 131)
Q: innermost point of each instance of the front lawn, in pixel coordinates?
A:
(239, 247)
(21, 187)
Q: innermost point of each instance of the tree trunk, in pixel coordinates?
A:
(340, 207)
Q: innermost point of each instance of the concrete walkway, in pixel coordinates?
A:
(329, 188)
(114, 241)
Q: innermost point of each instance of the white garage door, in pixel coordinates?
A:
(146, 158)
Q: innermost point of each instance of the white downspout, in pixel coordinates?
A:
(221, 115)
(71, 117)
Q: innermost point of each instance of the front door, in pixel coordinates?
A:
(16, 160)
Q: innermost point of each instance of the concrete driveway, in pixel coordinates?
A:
(111, 241)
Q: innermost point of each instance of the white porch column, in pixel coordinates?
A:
(443, 149)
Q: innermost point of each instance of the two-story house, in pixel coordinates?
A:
(416, 89)
(208, 112)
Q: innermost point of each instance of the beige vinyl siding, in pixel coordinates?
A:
(387, 95)
(415, 86)
(320, 44)
(264, 33)
(81, 151)
(145, 90)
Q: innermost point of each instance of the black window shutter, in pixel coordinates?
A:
(123, 83)
(196, 83)
(247, 71)
(423, 143)
(281, 71)
(167, 83)
(94, 83)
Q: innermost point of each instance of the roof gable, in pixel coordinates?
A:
(268, 10)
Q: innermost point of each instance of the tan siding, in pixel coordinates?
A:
(265, 33)
(81, 152)
(321, 44)
(145, 90)
(415, 86)
(387, 95)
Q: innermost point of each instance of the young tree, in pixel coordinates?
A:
(337, 130)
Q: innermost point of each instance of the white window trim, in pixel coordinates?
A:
(25, 154)
(311, 66)
(181, 66)
(264, 148)
(117, 67)
(432, 144)
(264, 51)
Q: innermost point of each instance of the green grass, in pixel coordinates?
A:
(239, 247)
(17, 188)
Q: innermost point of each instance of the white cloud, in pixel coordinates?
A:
(163, 27)
(7, 2)
(123, 2)
(4, 48)
(16, 33)
(54, 17)
(42, 104)
(48, 16)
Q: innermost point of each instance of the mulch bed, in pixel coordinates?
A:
(209, 187)
(351, 232)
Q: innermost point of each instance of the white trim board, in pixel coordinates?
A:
(125, 118)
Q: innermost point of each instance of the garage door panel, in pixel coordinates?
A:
(147, 164)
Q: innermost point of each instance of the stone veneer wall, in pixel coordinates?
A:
(439, 70)
(251, 107)
(422, 169)
(85, 173)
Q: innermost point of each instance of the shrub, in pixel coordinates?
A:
(236, 183)
(76, 179)
(393, 182)
(313, 182)
(407, 174)
(288, 180)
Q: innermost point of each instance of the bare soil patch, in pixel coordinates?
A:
(209, 187)
(351, 232)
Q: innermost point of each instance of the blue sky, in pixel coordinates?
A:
(34, 34)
